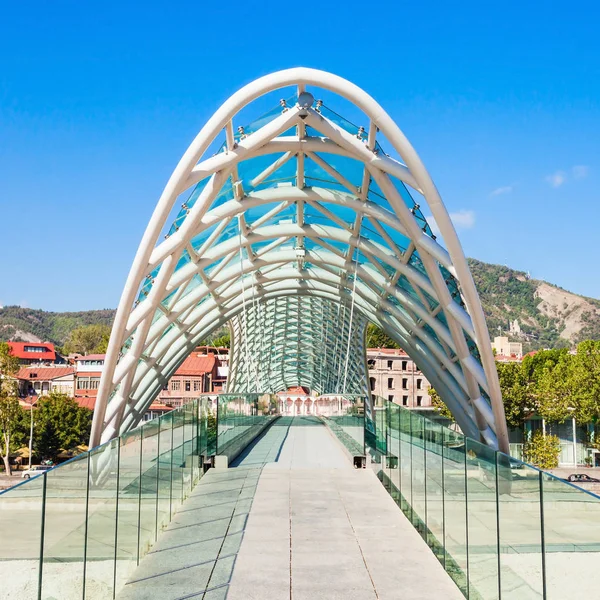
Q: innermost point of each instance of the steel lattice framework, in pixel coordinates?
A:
(299, 340)
(300, 203)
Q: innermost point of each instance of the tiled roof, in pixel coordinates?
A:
(92, 357)
(391, 351)
(86, 402)
(197, 364)
(44, 373)
(18, 350)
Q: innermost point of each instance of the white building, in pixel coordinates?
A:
(394, 376)
(503, 347)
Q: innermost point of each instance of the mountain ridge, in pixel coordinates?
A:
(533, 311)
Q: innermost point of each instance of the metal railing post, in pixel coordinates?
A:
(117, 517)
(467, 519)
(42, 533)
(498, 526)
(542, 534)
(442, 431)
(157, 479)
(87, 514)
(139, 524)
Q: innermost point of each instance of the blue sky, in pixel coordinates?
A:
(98, 102)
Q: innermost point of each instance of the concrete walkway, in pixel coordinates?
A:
(291, 519)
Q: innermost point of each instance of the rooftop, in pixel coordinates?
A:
(44, 373)
(22, 350)
(197, 364)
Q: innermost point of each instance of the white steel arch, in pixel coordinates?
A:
(300, 204)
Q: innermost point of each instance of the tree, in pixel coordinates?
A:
(377, 338)
(223, 341)
(542, 450)
(90, 339)
(61, 424)
(11, 422)
(518, 396)
(440, 405)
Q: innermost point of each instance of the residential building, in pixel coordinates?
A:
(30, 353)
(88, 370)
(394, 376)
(503, 347)
(195, 376)
(41, 380)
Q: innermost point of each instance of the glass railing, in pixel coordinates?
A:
(78, 530)
(240, 418)
(345, 416)
(501, 528)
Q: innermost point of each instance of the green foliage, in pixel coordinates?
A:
(377, 338)
(542, 451)
(439, 405)
(507, 294)
(223, 341)
(517, 393)
(221, 337)
(89, 339)
(60, 424)
(570, 387)
(11, 413)
(49, 326)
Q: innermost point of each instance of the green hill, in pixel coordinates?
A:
(546, 315)
(539, 314)
(30, 325)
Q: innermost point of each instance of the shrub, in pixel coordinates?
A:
(542, 451)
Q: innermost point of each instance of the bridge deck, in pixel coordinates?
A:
(293, 519)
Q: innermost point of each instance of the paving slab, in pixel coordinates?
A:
(291, 519)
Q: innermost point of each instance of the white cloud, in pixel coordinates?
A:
(507, 189)
(580, 171)
(557, 179)
(463, 219)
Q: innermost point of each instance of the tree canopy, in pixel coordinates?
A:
(554, 384)
(11, 417)
(89, 339)
(60, 424)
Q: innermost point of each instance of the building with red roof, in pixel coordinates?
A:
(194, 377)
(37, 380)
(33, 352)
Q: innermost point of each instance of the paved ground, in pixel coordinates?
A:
(292, 519)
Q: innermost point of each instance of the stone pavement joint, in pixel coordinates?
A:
(290, 519)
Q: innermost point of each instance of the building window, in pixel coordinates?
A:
(94, 383)
(83, 383)
(197, 385)
(391, 397)
(175, 385)
(404, 383)
(419, 382)
(404, 400)
(390, 364)
(404, 365)
(188, 386)
(371, 363)
(372, 383)
(390, 383)
(419, 400)
(38, 349)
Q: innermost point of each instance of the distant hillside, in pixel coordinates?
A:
(547, 315)
(31, 325)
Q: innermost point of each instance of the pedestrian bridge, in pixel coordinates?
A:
(295, 228)
(226, 498)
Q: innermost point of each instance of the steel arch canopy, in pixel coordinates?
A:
(297, 231)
